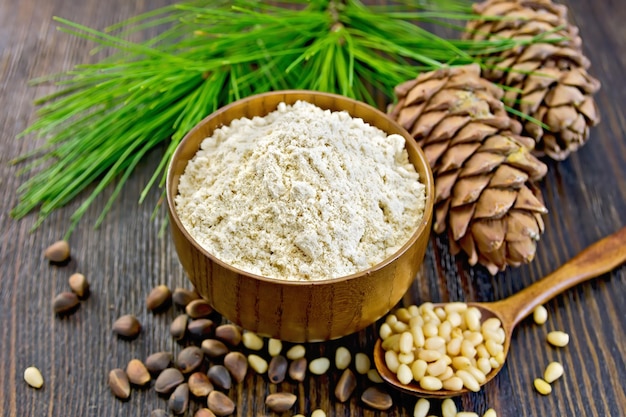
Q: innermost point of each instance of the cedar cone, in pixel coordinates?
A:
(483, 168)
(548, 78)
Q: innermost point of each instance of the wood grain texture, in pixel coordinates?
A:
(125, 258)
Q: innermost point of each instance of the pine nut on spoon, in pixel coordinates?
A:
(599, 258)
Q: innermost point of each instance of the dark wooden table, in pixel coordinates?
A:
(125, 258)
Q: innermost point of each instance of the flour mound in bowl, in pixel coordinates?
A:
(301, 194)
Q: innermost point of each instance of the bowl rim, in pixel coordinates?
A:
(410, 141)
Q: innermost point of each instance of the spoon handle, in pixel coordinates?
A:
(597, 259)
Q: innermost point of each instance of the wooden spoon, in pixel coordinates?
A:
(597, 259)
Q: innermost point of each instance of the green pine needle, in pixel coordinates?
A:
(106, 116)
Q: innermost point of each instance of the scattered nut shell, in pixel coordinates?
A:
(127, 326)
(79, 284)
(119, 384)
(58, 252)
(33, 377)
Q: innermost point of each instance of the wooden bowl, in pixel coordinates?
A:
(298, 311)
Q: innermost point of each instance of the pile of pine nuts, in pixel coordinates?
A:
(446, 347)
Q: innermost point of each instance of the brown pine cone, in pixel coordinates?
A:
(548, 78)
(483, 168)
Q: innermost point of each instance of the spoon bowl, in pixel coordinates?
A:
(597, 259)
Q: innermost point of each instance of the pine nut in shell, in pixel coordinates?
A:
(158, 361)
(558, 338)
(178, 327)
(119, 384)
(189, 359)
(200, 329)
(179, 399)
(204, 412)
(377, 399)
(220, 404)
(280, 402)
(127, 326)
(182, 296)
(199, 384)
(197, 309)
(137, 373)
(158, 298)
(33, 377)
(229, 334)
(214, 348)
(79, 284)
(168, 380)
(297, 369)
(220, 377)
(65, 303)
(345, 386)
(553, 371)
(277, 369)
(58, 252)
(237, 365)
